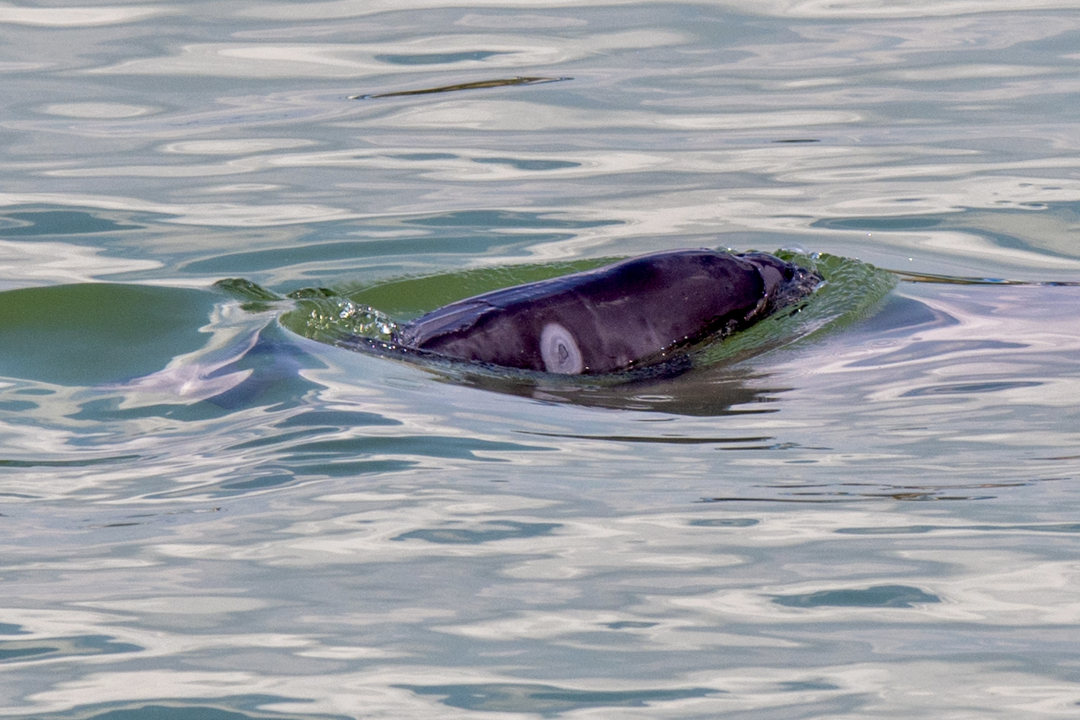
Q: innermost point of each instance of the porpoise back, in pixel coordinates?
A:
(613, 317)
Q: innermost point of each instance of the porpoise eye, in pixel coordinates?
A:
(560, 350)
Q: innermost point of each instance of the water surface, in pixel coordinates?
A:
(207, 515)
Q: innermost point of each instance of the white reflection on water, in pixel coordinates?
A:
(97, 110)
(71, 17)
(198, 375)
(1007, 335)
(507, 115)
(691, 122)
(324, 60)
(187, 605)
(36, 263)
(681, 616)
(1005, 587)
(235, 146)
(339, 9)
(205, 214)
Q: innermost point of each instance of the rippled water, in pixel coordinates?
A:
(206, 514)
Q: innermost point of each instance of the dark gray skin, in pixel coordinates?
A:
(615, 317)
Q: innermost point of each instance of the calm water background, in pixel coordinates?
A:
(206, 516)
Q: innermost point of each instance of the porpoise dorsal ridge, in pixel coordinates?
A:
(614, 317)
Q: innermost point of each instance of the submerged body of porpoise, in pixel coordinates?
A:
(631, 313)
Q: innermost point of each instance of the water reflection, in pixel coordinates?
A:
(36, 262)
(71, 17)
(462, 52)
(55, 647)
(549, 700)
(249, 525)
(671, 389)
(106, 332)
(925, 365)
(192, 710)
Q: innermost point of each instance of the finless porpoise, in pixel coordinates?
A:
(633, 312)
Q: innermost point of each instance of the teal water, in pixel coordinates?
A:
(206, 513)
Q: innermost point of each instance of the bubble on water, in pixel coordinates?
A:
(329, 317)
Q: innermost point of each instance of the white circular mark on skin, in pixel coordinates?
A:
(560, 350)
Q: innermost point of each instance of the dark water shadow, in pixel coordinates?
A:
(13, 651)
(244, 707)
(440, 58)
(489, 531)
(709, 392)
(675, 386)
(548, 700)
(879, 596)
(36, 223)
(825, 493)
